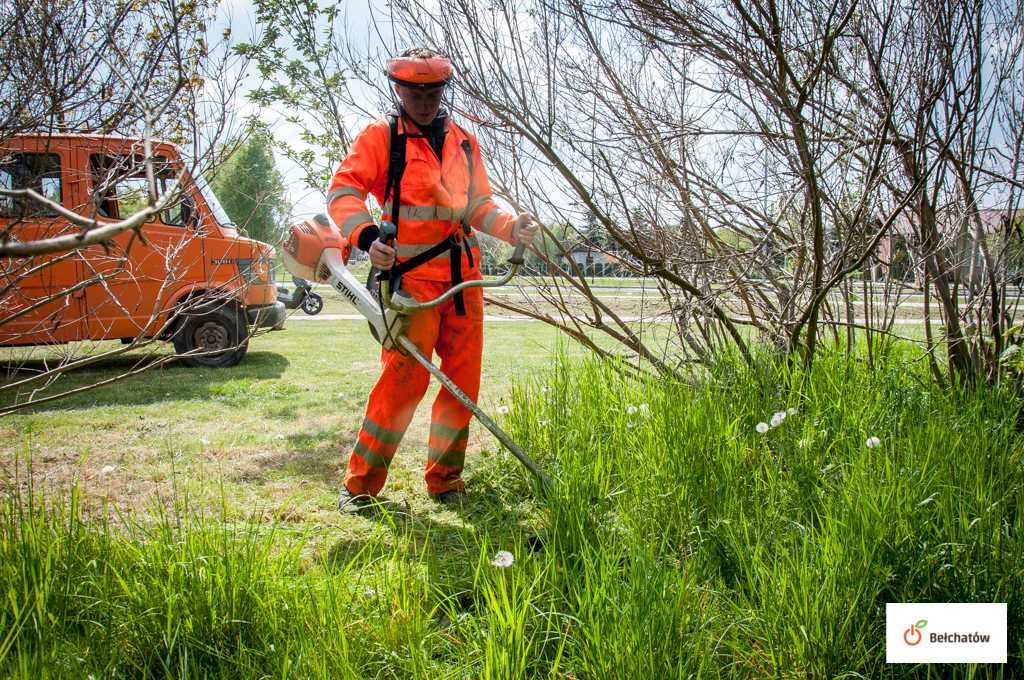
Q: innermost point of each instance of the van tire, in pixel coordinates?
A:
(218, 328)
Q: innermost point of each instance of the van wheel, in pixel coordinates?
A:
(219, 329)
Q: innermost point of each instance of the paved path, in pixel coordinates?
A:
(489, 317)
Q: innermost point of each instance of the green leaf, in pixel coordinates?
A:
(921, 624)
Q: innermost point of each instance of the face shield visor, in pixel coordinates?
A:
(422, 86)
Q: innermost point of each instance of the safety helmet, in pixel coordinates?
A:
(421, 69)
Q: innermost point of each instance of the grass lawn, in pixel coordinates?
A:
(270, 433)
(182, 523)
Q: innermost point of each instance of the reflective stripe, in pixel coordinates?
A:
(423, 212)
(407, 250)
(353, 221)
(445, 432)
(372, 459)
(476, 203)
(453, 455)
(381, 434)
(345, 191)
(488, 224)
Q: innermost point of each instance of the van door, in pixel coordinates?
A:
(39, 303)
(146, 272)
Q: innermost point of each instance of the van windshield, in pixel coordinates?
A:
(216, 208)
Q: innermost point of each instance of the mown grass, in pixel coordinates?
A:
(678, 541)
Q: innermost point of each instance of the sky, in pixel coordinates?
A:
(240, 17)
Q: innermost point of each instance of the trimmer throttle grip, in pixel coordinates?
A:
(388, 232)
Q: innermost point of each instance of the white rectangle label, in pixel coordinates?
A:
(945, 632)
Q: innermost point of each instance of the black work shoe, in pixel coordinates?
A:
(453, 497)
(349, 502)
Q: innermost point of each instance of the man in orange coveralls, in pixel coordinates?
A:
(431, 168)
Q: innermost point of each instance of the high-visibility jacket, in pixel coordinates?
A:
(434, 196)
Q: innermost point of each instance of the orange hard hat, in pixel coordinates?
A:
(424, 73)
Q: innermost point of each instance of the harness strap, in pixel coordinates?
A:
(429, 254)
(396, 168)
(453, 244)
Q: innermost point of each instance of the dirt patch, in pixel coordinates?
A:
(259, 467)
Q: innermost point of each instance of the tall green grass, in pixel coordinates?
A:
(677, 541)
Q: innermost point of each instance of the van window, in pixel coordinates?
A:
(38, 171)
(120, 187)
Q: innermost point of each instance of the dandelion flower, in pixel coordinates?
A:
(645, 410)
(502, 410)
(544, 389)
(544, 423)
(630, 410)
(107, 469)
(762, 427)
(502, 559)
(777, 418)
(872, 442)
(630, 424)
(791, 411)
(204, 441)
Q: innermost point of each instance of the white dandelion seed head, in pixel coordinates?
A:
(791, 411)
(502, 559)
(502, 410)
(872, 442)
(107, 469)
(630, 424)
(545, 389)
(631, 410)
(280, 437)
(762, 427)
(544, 423)
(777, 418)
(645, 410)
(204, 441)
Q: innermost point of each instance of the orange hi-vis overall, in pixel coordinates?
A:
(434, 201)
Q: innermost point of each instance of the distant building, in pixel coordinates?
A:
(897, 259)
(593, 261)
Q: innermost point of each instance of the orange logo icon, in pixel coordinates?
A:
(912, 635)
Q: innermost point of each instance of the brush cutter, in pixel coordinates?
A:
(315, 250)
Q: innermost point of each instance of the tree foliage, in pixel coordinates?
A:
(252, 190)
(302, 61)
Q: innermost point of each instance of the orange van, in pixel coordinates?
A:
(187, 276)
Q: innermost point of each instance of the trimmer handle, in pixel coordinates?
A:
(517, 254)
(388, 233)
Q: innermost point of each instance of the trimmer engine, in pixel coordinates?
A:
(315, 250)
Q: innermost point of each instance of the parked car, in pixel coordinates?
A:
(188, 277)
